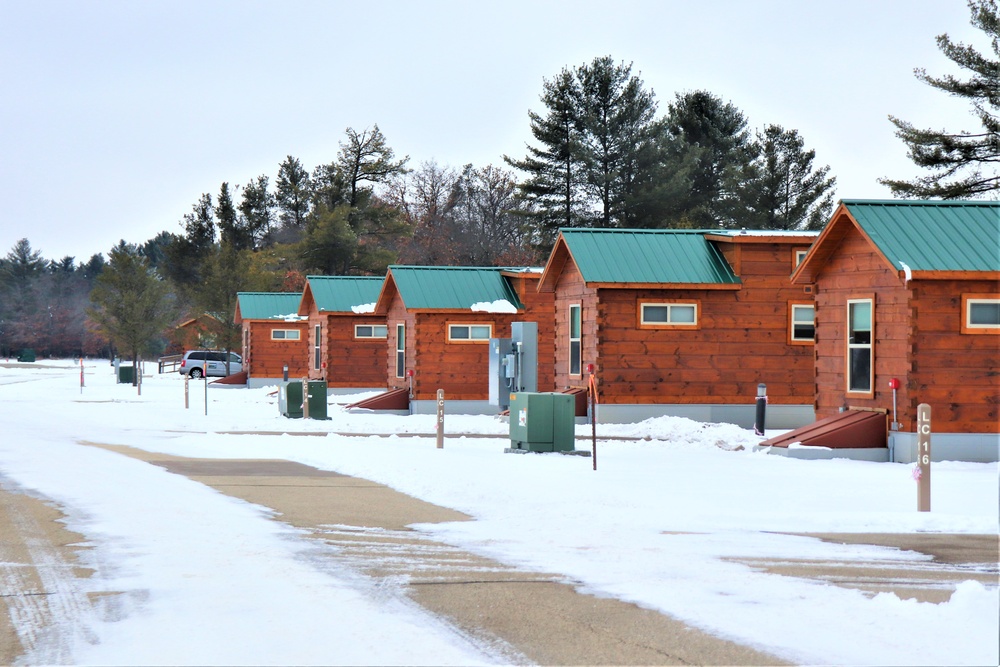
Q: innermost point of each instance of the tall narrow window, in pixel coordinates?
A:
(574, 340)
(400, 350)
(859, 346)
(317, 347)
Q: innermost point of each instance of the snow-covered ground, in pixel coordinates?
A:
(210, 579)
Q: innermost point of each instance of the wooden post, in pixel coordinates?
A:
(305, 398)
(923, 470)
(440, 418)
(592, 400)
(81, 375)
(204, 378)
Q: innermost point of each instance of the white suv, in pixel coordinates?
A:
(212, 363)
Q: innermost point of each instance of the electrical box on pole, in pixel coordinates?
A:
(513, 363)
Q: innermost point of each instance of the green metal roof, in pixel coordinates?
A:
(452, 287)
(268, 305)
(340, 294)
(648, 256)
(932, 235)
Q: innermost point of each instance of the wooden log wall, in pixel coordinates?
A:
(266, 358)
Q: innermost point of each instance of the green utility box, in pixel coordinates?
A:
(27, 355)
(126, 374)
(290, 399)
(542, 422)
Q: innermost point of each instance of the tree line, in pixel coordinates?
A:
(601, 156)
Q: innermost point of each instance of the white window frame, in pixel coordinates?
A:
(452, 328)
(792, 321)
(576, 341)
(372, 328)
(318, 348)
(400, 350)
(855, 346)
(798, 255)
(670, 306)
(284, 334)
(969, 300)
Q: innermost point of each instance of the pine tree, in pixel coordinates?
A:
(783, 190)
(293, 193)
(710, 139)
(257, 212)
(965, 164)
(553, 184)
(132, 306)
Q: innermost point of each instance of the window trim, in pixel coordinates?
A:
(798, 254)
(469, 325)
(792, 306)
(670, 304)
(848, 346)
(297, 337)
(578, 308)
(317, 347)
(977, 329)
(371, 326)
(400, 350)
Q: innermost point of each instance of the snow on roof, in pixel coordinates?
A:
(498, 306)
(363, 308)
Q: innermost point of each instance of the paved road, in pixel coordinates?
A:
(525, 616)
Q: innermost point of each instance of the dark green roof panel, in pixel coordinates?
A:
(932, 235)
(268, 305)
(439, 288)
(341, 294)
(647, 256)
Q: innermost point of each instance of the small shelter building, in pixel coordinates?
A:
(274, 336)
(908, 294)
(346, 338)
(683, 322)
(440, 320)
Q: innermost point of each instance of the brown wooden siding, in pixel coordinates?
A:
(266, 358)
(569, 290)
(956, 374)
(397, 314)
(857, 270)
(350, 361)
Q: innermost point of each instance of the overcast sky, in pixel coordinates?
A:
(116, 116)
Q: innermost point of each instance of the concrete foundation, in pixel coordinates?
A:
(974, 447)
(778, 416)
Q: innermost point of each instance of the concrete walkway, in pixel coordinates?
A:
(524, 616)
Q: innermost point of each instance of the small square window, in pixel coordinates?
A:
(803, 323)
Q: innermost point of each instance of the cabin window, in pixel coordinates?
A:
(575, 340)
(470, 333)
(317, 347)
(285, 334)
(370, 331)
(400, 350)
(797, 256)
(802, 323)
(859, 345)
(668, 315)
(981, 313)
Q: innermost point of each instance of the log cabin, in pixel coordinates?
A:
(440, 320)
(684, 323)
(909, 291)
(346, 339)
(274, 336)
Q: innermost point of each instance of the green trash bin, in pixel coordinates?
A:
(126, 375)
(317, 399)
(290, 400)
(542, 422)
(26, 355)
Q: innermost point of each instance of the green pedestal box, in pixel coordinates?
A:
(27, 355)
(126, 374)
(290, 399)
(542, 422)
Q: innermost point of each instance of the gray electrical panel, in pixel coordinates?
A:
(514, 363)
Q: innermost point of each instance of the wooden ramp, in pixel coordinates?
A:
(853, 429)
(235, 378)
(394, 399)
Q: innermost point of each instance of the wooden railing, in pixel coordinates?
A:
(170, 363)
